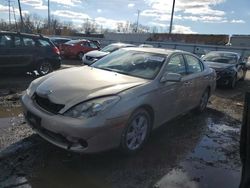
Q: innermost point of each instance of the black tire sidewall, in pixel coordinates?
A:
(199, 109)
(39, 67)
(232, 84)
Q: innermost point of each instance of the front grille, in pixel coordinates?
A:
(47, 105)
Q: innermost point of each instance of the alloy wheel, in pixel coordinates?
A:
(137, 132)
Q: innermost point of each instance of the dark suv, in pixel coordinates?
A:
(25, 52)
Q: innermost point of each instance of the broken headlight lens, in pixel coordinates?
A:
(91, 108)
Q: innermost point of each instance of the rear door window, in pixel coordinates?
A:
(43, 43)
(176, 65)
(5, 41)
(29, 42)
(194, 64)
(92, 45)
(18, 41)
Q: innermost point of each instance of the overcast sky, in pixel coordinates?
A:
(191, 16)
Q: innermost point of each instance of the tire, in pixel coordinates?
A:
(203, 102)
(44, 68)
(80, 55)
(232, 83)
(244, 76)
(136, 132)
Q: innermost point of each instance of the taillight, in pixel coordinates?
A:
(56, 50)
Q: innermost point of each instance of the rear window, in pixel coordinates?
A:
(43, 43)
(29, 42)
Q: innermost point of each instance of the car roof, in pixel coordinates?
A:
(157, 50)
(23, 34)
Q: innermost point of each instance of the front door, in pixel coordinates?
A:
(173, 94)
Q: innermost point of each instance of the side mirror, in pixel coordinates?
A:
(170, 77)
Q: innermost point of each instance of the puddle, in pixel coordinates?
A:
(189, 152)
(213, 163)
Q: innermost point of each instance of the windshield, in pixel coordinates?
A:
(134, 63)
(110, 48)
(221, 57)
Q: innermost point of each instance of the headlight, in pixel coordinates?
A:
(30, 90)
(91, 108)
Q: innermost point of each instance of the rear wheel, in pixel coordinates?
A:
(137, 131)
(244, 75)
(44, 68)
(203, 102)
(232, 83)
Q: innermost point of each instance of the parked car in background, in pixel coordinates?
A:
(59, 40)
(248, 63)
(118, 100)
(93, 56)
(96, 42)
(22, 52)
(77, 48)
(228, 66)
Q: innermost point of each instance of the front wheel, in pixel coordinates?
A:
(137, 131)
(80, 55)
(44, 68)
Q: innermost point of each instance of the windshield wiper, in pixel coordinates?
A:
(113, 70)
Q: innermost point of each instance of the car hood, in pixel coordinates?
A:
(218, 66)
(75, 85)
(96, 53)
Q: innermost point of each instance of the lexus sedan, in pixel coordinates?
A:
(228, 66)
(118, 100)
(93, 56)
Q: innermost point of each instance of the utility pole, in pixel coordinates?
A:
(9, 13)
(21, 16)
(14, 16)
(172, 17)
(137, 22)
(49, 16)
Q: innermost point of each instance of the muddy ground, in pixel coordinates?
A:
(191, 151)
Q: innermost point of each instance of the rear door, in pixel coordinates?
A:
(196, 80)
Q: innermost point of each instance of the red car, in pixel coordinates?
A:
(77, 48)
